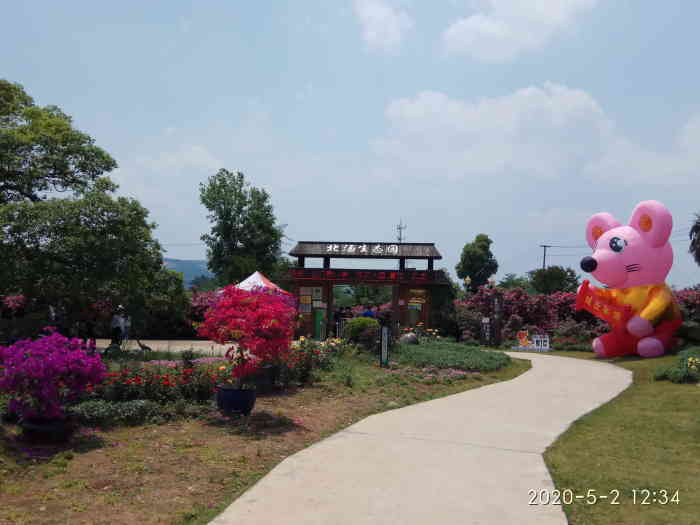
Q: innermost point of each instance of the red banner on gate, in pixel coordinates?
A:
(615, 314)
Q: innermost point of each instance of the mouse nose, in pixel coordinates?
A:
(589, 264)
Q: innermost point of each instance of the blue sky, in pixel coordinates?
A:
(460, 117)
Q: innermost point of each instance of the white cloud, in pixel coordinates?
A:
(383, 25)
(503, 29)
(185, 159)
(542, 132)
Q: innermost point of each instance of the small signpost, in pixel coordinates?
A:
(384, 347)
(485, 331)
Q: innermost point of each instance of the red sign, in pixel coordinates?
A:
(408, 276)
(615, 314)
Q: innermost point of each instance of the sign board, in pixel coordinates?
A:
(305, 299)
(305, 308)
(538, 343)
(317, 293)
(384, 276)
(305, 290)
(319, 304)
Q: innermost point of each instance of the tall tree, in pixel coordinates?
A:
(40, 151)
(477, 262)
(244, 236)
(554, 279)
(71, 252)
(695, 239)
(511, 280)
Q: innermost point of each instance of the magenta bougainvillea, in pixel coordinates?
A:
(42, 376)
(259, 324)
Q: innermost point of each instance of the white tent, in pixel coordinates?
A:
(257, 280)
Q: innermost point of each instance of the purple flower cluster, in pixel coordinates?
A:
(43, 375)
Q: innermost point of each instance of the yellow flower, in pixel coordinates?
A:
(302, 338)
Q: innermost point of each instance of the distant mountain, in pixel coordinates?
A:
(191, 269)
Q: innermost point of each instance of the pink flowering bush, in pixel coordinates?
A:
(259, 324)
(552, 314)
(200, 303)
(14, 303)
(42, 376)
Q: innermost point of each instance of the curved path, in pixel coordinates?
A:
(469, 458)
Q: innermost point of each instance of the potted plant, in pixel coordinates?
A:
(258, 325)
(42, 377)
(235, 392)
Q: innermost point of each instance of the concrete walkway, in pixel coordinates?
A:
(469, 458)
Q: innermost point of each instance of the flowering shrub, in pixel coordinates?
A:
(552, 314)
(259, 324)
(196, 384)
(305, 355)
(200, 303)
(14, 303)
(42, 376)
(685, 370)
(689, 302)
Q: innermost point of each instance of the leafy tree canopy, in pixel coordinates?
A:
(477, 262)
(244, 236)
(695, 239)
(554, 279)
(203, 283)
(511, 280)
(72, 252)
(40, 151)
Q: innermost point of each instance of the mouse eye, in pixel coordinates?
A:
(617, 244)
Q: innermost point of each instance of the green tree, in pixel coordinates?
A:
(40, 151)
(244, 236)
(695, 239)
(554, 279)
(203, 283)
(511, 280)
(71, 252)
(163, 309)
(477, 262)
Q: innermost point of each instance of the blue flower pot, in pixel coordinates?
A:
(230, 399)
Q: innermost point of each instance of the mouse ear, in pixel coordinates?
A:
(653, 221)
(598, 225)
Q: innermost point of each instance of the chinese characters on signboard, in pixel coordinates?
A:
(417, 276)
(362, 249)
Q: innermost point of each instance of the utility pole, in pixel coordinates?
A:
(544, 254)
(400, 228)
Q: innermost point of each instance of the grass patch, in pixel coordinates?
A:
(450, 355)
(646, 438)
(187, 471)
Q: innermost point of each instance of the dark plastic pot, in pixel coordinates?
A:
(267, 378)
(230, 399)
(47, 430)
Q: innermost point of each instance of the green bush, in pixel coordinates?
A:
(685, 370)
(362, 330)
(137, 412)
(451, 355)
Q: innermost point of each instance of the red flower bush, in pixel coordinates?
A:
(259, 324)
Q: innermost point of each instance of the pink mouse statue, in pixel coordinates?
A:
(633, 262)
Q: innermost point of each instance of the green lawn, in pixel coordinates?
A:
(646, 438)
